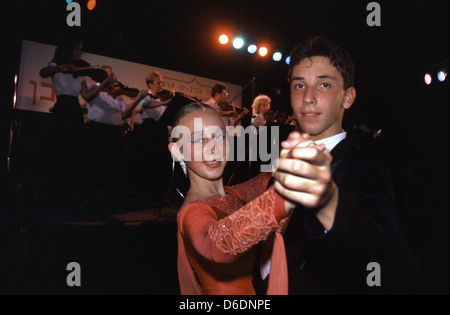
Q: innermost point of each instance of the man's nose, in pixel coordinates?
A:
(308, 97)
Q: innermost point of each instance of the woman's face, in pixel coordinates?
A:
(265, 107)
(203, 144)
(77, 52)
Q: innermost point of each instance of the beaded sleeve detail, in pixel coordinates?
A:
(253, 223)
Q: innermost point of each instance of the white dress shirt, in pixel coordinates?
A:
(212, 103)
(106, 109)
(65, 83)
(155, 112)
(332, 141)
(259, 120)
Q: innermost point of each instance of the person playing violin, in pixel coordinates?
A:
(106, 97)
(106, 107)
(219, 95)
(67, 121)
(152, 106)
(154, 139)
(261, 105)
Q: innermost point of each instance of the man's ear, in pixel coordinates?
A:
(350, 96)
(175, 150)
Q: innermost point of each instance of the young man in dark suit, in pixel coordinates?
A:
(344, 236)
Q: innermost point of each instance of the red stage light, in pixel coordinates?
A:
(91, 5)
(223, 39)
(263, 51)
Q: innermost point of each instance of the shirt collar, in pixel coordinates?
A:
(332, 141)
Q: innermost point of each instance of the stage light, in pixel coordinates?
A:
(427, 79)
(277, 56)
(263, 51)
(252, 48)
(91, 5)
(238, 43)
(223, 39)
(288, 60)
(442, 75)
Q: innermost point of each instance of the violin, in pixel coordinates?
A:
(84, 69)
(228, 106)
(277, 116)
(121, 89)
(166, 95)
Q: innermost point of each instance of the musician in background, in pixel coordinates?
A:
(67, 122)
(219, 95)
(155, 162)
(236, 120)
(260, 106)
(106, 152)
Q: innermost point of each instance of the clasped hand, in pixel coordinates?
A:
(303, 177)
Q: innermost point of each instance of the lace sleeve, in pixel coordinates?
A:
(251, 224)
(254, 187)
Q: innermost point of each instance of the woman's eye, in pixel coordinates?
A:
(199, 140)
(218, 138)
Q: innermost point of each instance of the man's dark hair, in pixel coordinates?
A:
(217, 88)
(321, 46)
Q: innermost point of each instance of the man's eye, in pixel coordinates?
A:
(298, 86)
(326, 85)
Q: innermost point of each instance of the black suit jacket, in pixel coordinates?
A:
(366, 229)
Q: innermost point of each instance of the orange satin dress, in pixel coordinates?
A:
(216, 240)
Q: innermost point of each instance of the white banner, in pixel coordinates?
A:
(37, 94)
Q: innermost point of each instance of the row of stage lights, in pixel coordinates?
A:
(263, 51)
(441, 76)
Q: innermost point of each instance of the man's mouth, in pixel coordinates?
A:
(310, 115)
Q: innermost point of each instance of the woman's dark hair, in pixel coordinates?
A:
(321, 46)
(64, 51)
(189, 109)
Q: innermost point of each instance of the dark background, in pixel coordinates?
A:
(391, 61)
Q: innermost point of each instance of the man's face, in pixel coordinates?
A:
(157, 85)
(222, 97)
(318, 98)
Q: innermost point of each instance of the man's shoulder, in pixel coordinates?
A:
(350, 161)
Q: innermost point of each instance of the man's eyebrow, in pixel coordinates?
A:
(324, 76)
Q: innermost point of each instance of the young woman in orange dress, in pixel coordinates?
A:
(222, 231)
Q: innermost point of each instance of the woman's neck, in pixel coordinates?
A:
(208, 187)
(203, 189)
